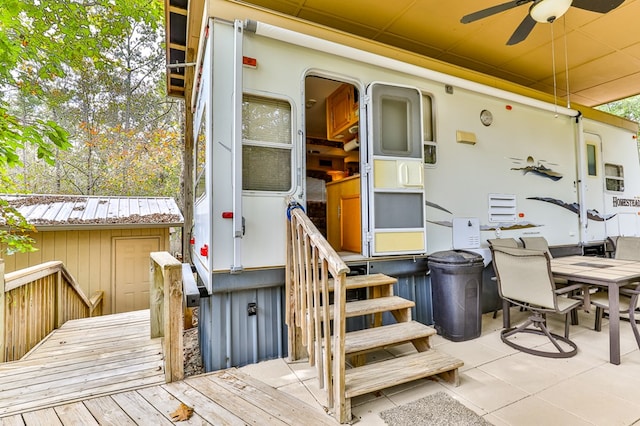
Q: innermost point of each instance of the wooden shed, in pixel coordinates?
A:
(103, 241)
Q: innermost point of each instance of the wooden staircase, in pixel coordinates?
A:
(315, 270)
(364, 378)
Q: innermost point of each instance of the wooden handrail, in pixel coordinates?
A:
(36, 300)
(166, 310)
(311, 262)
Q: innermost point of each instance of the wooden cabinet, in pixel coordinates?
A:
(342, 113)
(343, 214)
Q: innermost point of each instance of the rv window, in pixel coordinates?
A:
(266, 137)
(430, 153)
(200, 153)
(614, 177)
(396, 121)
(591, 160)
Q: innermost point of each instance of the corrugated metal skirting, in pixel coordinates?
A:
(230, 336)
(417, 288)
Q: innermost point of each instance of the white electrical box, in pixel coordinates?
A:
(466, 232)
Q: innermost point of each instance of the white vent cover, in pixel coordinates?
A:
(502, 208)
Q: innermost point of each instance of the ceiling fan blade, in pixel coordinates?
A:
(491, 11)
(523, 30)
(600, 6)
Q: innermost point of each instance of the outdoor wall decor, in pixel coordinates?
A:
(575, 207)
(538, 168)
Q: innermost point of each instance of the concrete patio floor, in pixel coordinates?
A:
(505, 386)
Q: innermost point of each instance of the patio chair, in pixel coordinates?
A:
(503, 242)
(610, 246)
(626, 248)
(628, 305)
(536, 243)
(525, 279)
(540, 243)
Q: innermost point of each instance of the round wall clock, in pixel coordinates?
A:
(486, 117)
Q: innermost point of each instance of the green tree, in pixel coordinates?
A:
(123, 129)
(628, 108)
(41, 42)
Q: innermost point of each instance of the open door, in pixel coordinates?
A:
(396, 177)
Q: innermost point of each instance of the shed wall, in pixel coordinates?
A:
(86, 254)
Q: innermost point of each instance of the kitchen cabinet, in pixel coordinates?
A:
(343, 214)
(342, 114)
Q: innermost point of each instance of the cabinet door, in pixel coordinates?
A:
(340, 105)
(350, 223)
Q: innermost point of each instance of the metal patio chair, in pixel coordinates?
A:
(503, 242)
(628, 305)
(626, 248)
(525, 279)
(541, 244)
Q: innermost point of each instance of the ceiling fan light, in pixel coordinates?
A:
(549, 10)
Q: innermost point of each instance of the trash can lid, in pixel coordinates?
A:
(455, 257)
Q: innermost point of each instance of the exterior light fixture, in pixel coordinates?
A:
(549, 10)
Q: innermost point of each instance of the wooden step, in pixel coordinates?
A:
(403, 369)
(363, 281)
(377, 305)
(388, 335)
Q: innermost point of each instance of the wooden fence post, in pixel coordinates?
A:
(167, 306)
(3, 348)
(174, 323)
(156, 298)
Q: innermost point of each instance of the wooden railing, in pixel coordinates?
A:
(311, 263)
(166, 309)
(36, 300)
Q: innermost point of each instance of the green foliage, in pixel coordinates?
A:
(44, 44)
(45, 135)
(14, 229)
(45, 40)
(628, 108)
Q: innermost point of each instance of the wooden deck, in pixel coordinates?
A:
(227, 397)
(107, 371)
(82, 359)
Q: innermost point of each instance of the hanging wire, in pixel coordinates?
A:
(566, 60)
(553, 70)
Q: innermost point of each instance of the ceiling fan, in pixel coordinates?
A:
(541, 11)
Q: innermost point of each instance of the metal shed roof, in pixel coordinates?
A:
(83, 212)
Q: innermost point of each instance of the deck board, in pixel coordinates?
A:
(226, 397)
(107, 412)
(83, 359)
(107, 371)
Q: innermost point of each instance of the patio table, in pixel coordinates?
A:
(603, 272)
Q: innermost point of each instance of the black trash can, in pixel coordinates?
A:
(456, 287)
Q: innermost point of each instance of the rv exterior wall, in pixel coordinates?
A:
(528, 153)
(619, 156)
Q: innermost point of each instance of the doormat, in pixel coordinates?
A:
(433, 410)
